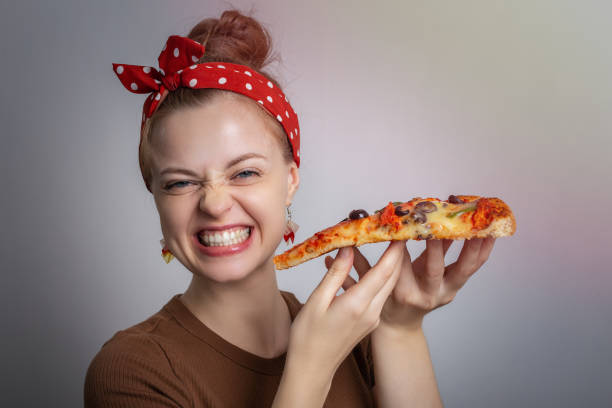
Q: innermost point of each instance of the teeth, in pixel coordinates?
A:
(228, 237)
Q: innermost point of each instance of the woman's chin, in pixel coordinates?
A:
(225, 271)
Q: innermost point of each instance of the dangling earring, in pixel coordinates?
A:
(291, 227)
(165, 253)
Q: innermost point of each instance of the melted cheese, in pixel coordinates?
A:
(438, 222)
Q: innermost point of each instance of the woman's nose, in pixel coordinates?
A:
(215, 201)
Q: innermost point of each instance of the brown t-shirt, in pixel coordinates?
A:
(173, 360)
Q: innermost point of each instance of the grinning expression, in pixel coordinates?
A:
(221, 185)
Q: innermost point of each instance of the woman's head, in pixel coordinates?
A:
(220, 167)
(216, 169)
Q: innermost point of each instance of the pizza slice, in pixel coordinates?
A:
(459, 217)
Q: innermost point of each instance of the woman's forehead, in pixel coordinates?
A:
(219, 131)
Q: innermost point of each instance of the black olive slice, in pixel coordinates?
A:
(426, 207)
(400, 213)
(453, 199)
(357, 214)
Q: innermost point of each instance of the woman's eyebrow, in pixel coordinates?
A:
(177, 170)
(244, 157)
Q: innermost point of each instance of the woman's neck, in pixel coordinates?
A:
(250, 314)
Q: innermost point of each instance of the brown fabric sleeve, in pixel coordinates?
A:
(133, 371)
(363, 357)
(370, 361)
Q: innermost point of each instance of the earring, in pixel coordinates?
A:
(165, 253)
(291, 227)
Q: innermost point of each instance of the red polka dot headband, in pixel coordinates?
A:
(178, 68)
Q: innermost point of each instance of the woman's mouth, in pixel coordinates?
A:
(232, 236)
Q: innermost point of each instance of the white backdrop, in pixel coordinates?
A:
(396, 100)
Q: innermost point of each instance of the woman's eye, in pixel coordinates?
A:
(247, 174)
(177, 184)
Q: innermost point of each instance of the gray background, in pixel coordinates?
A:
(510, 99)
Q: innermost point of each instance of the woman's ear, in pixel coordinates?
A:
(293, 182)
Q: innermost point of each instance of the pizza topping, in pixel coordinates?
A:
(357, 214)
(400, 212)
(487, 211)
(453, 199)
(388, 217)
(419, 217)
(394, 203)
(463, 210)
(425, 207)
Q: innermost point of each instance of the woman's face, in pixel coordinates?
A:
(221, 186)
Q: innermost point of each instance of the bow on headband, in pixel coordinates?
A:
(179, 68)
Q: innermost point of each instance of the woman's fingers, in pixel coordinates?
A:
(419, 262)
(348, 282)
(381, 297)
(431, 275)
(446, 243)
(361, 263)
(468, 258)
(328, 261)
(373, 281)
(467, 263)
(339, 269)
(485, 250)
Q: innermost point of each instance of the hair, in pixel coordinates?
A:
(233, 38)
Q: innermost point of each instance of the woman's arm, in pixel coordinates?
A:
(403, 369)
(301, 387)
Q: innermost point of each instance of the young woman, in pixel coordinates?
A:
(220, 153)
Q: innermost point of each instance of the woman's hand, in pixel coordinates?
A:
(425, 284)
(329, 326)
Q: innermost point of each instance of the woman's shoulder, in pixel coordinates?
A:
(140, 336)
(133, 366)
(136, 345)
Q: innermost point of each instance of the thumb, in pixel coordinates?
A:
(335, 276)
